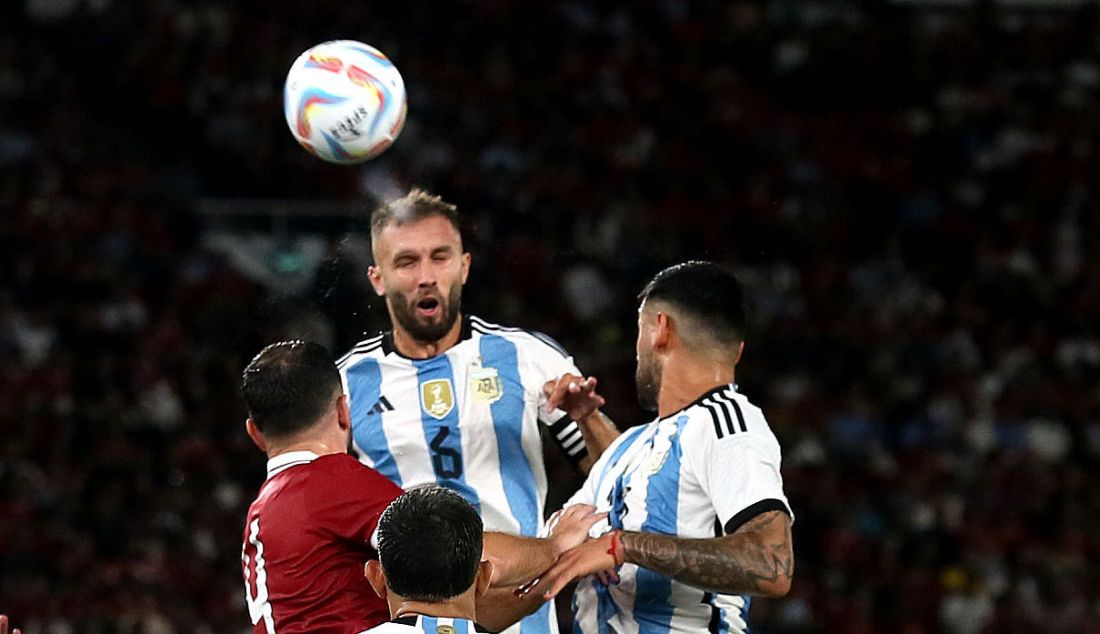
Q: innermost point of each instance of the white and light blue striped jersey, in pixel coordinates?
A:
(700, 472)
(420, 624)
(466, 419)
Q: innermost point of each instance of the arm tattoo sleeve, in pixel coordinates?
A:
(754, 560)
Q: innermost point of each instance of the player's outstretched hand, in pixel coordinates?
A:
(569, 527)
(574, 394)
(4, 625)
(595, 556)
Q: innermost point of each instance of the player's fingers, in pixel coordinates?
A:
(3, 624)
(558, 392)
(608, 577)
(591, 519)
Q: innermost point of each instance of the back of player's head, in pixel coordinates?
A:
(706, 294)
(413, 207)
(429, 544)
(289, 385)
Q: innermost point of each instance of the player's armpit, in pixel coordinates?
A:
(758, 559)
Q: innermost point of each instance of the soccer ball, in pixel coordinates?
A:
(344, 101)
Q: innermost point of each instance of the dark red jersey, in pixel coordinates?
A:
(306, 540)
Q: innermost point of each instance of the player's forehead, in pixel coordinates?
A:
(421, 235)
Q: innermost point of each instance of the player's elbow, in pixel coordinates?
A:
(779, 585)
(775, 589)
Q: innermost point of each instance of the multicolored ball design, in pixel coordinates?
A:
(344, 101)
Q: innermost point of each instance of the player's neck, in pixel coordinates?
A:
(310, 440)
(413, 348)
(684, 379)
(460, 607)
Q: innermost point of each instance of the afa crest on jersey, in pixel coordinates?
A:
(437, 397)
(485, 385)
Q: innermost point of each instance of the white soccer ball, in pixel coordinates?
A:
(344, 101)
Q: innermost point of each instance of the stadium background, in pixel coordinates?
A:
(908, 190)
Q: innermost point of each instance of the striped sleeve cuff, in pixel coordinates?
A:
(751, 511)
(567, 435)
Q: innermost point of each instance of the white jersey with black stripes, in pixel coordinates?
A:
(700, 472)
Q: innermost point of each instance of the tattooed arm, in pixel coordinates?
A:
(757, 559)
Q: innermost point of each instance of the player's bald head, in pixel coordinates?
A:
(708, 302)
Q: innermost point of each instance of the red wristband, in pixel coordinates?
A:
(616, 541)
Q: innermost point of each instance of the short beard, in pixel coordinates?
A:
(647, 379)
(405, 316)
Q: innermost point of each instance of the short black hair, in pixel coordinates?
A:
(708, 292)
(289, 385)
(429, 542)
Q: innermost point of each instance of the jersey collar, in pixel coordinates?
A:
(414, 621)
(466, 332)
(284, 461)
(713, 390)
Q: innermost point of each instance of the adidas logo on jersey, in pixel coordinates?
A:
(383, 405)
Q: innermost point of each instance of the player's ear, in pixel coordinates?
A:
(465, 266)
(255, 434)
(375, 277)
(376, 577)
(343, 412)
(662, 330)
(483, 578)
(740, 351)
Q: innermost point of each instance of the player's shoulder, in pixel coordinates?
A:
(345, 468)
(526, 340)
(722, 413)
(370, 347)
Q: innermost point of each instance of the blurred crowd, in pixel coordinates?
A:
(909, 191)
